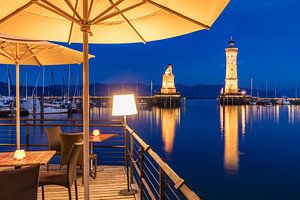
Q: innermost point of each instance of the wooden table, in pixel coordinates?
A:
(100, 138)
(32, 157)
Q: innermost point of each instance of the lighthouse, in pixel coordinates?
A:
(231, 80)
(230, 94)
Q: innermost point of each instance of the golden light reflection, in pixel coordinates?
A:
(243, 118)
(169, 119)
(231, 138)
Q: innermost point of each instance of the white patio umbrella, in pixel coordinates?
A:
(20, 51)
(106, 21)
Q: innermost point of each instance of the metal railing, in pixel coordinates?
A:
(112, 152)
(154, 177)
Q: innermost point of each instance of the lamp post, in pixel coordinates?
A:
(124, 105)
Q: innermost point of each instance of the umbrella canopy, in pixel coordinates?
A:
(106, 21)
(21, 51)
(36, 52)
(112, 21)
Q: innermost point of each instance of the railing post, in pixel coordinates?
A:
(162, 184)
(26, 135)
(141, 172)
(131, 157)
(125, 145)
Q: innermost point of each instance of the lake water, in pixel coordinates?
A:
(230, 152)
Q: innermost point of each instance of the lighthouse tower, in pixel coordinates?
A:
(231, 81)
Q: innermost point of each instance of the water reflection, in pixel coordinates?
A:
(229, 117)
(169, 119)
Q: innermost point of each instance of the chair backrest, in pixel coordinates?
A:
(72, 161)
(53, 134)
(19, 184)
(67, 141)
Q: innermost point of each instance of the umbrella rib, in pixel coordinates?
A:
(128, 22)
(74, 10)
(49, 6)
(28, 47)
(37, 60)
(17, 11)
(72, 23)
(90, 9)
(34, 54)
(177, 14)
(93, 21)
(6, 55)
(3, 44)
(11, 52)
(117, 13)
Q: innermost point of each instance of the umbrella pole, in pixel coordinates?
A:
(18, 105)
(85, 28)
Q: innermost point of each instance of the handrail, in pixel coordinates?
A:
(179, 183)
(138, 151)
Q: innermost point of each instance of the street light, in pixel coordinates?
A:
(124, 105)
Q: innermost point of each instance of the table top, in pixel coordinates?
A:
(102, 137)
(32, 157)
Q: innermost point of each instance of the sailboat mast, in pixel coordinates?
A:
(69, 76)
(8, 81)
(43, 88)
(275, 90)
(26, 79)
(266, 88)
(151, 87)
(251, 87)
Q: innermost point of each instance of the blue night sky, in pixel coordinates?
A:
(266, 32)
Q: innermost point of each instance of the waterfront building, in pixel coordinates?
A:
(168, 97)
(168, 83)
(231, 80)
(230, 94)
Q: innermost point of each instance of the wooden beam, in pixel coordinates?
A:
(72, 24)
(7, 56)
(90, 9)
(34, 54)
(17, 11)
(130, 24)
(49, 6)
(27, 49)
(3, 45)
(177, 14)
(118, 13)
(93, 21)
(37, 60)
(74, 9)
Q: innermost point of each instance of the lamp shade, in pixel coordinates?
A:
(124, 105)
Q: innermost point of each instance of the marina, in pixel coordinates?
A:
(149, 100)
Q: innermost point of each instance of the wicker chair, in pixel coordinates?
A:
(53, 134)
(21, 184)
(64, 179)
(67, 140)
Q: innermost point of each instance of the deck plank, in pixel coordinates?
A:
(110, 180)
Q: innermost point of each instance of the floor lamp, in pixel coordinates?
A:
(124, 105)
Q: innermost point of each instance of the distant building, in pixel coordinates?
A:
(167, 97)
(231, 81)
(168, 84)
(230, 94)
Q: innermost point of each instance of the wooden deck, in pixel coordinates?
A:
(110, 180)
